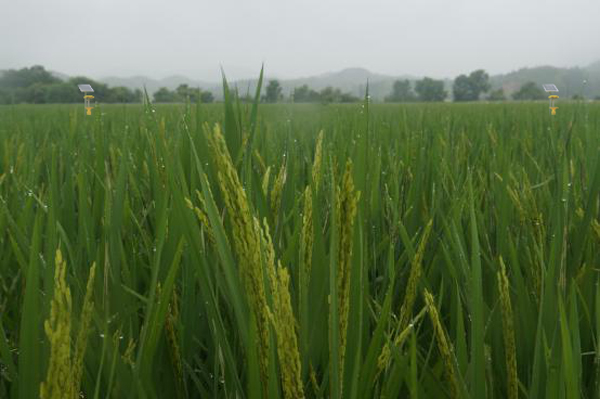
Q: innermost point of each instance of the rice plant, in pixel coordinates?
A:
(241, 250)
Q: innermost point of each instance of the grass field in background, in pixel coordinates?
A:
(243, 251)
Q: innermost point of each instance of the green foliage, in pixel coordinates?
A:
(305, 94)
(401, 92)
(457, 255)
(529, 91)
(470, 88)
(328, 95)
(183, 93)
(430, 90)
(333, 95)
(37, 86)
(273, 92)
(497, 95)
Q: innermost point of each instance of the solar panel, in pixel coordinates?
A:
(550, 88)
(85, 88)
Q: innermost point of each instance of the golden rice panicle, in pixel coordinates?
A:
(413, 280)
(316, 167)
(174, 351)
(277, 190)
(347, 204)
(59, 382)
(409, 300)
(84, 329)
(306, 238)
(282, 317)
(246, 242)
(508, 332)
(269, 256)
(261, 162)
(284, 324)
(265, 181)
(443, 344)
(201, 215)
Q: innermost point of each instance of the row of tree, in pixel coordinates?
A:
(472, 87)
(183, 93)
(37, 86)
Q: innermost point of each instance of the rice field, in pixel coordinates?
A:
(360, 251)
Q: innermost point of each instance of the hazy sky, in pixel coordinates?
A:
(296, 37)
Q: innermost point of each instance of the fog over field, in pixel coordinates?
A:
(297, 38)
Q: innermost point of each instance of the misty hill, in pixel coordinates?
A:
(152, 85)
(570, 81)
(353, 80)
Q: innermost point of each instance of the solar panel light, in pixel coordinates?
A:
(551, 88)
(85, 89)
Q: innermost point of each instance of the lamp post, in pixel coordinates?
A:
(85, 89)
(551, 88)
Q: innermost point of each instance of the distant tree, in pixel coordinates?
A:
(578, 97)
(347, 97)
(120, 94)
(36, 93)
(335, 95)
(462, 90)
(597, 98)
(5, 97)
(63, 93)
(273, 92)
(164, 95)
(497, 95)
(430, 90)
(207, 97)
(138, 95)
(529, 91)
(401, 92)
(26, 77)
(305, 94)
(183, 93)
(470, 88)
(36, 85)
(327, 95)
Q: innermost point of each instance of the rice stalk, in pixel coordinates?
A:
(508, 332)
(306, 236)
(277, 190)
(316, 167)
(84, 329)
(246, 240)
(59, 381)
(443, 344)
(346, 203)
(283, 319)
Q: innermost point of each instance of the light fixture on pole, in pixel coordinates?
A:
(551, 88)
(85, 89)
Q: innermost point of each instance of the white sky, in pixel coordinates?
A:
(296, 37)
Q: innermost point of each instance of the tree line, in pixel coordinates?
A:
(473, 87)
(38, 86)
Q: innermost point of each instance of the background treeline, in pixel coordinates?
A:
(38, 86)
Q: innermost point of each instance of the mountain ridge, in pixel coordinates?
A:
(571, 81)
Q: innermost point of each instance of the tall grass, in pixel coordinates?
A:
(352, 251)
